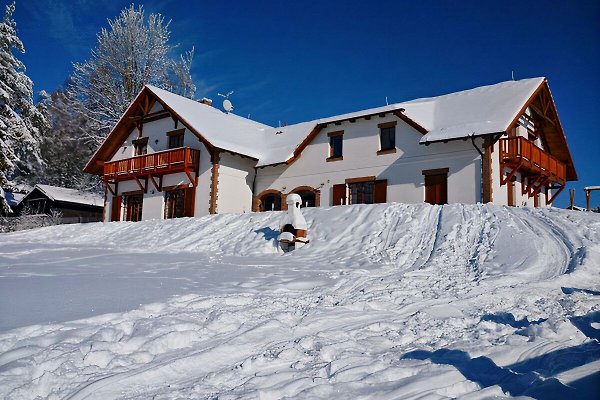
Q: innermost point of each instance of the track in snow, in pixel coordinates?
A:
(345, 316)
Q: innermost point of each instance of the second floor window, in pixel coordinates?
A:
(336, 145)
(176, 138)
(140, 146)
(387, 136)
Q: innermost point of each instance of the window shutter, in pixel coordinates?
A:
(339, 194)
(115, 214)
(189, 201)
(380, 191)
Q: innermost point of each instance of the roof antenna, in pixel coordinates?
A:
(227, 105)
(512, 73)
(386, 101)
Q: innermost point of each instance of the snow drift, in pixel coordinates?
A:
(388, 301)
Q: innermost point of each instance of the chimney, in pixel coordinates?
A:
(205, 100)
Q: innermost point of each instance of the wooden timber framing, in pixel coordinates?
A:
(214, 181)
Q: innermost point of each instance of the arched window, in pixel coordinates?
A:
(270, 200)
(310, 196)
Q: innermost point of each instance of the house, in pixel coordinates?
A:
(72, 205)
(170, 156)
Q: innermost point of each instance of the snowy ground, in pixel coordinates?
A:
(388, 301)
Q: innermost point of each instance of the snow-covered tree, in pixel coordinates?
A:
(63, 148)
(20, 120)
(131, 52)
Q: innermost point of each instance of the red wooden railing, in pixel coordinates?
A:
(160, 163)
(517, 150)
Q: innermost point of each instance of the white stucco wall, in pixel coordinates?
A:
(156, 131)
(402, 169)
(235, 184)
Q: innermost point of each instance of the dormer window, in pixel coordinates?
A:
(176, 138)
(140, 146)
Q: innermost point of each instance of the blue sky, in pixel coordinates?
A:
(291, 61)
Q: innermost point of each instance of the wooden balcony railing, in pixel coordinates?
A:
(518, 152)
(182, 159)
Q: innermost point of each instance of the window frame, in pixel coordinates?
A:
(140, 146)
(387, 128)
(334, 136)
(176, 135)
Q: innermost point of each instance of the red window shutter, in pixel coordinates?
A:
(115, 214)
(189, 201)
(380, 191)
(339, 194)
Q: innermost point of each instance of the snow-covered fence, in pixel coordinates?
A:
(22, 222)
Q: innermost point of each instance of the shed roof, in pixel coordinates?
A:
(67, 195)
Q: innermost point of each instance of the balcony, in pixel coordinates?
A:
(153, 165)
(522, 155)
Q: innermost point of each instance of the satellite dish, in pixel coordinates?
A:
(227, 106)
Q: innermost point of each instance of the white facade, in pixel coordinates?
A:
(402, 169)
(242, 162)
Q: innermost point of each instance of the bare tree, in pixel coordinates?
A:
(131, 52)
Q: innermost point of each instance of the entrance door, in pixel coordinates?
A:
(436, 188)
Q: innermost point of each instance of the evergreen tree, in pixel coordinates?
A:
(63, 147)
(131, 52)
(20, 121)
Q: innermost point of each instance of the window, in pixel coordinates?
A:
(176, 138)
(361, 192)
(387, 138)
(174, 203)
(133, 206)
(365, 190)
(271, 202)
(141, 146)
(335, 145)
(179, 202)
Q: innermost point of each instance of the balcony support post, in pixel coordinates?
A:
(537, 189)
(560, 189)
(512, 173)
(107, 186)
(193, 181)
(144, 187)
(158, 186)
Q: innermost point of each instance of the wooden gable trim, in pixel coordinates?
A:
(142, 103)
(305, 143)
(117, 135)
(554, 138)
(410, 121)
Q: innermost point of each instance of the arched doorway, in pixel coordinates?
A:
(270, 200)
(310, 196)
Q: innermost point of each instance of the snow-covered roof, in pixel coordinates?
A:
(226, 131)
(13, 199)
(67, 195)
(475, 112)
